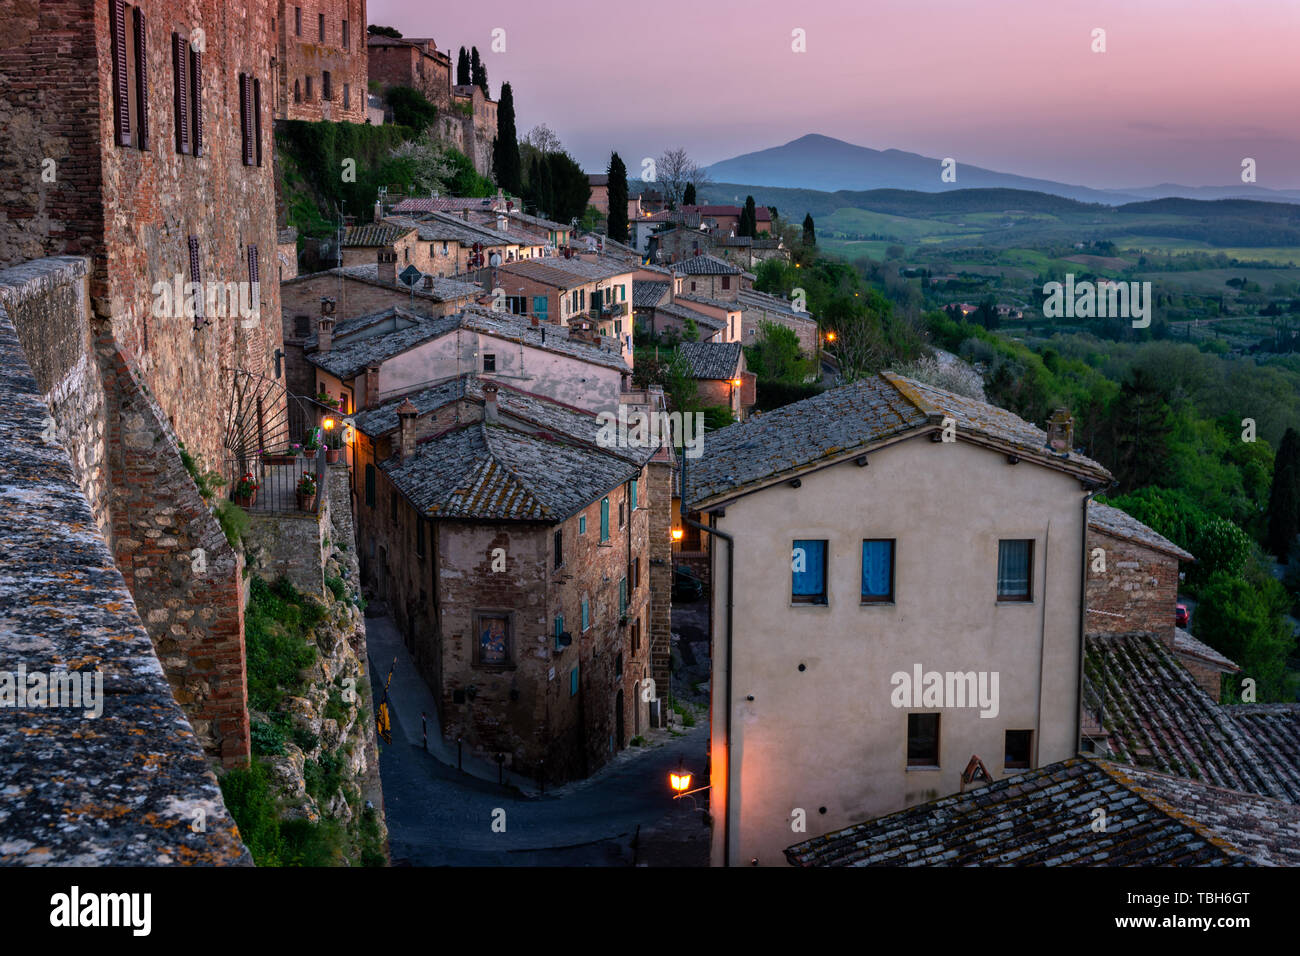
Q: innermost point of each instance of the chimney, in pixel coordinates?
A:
(379, 211)
(406, 413)
(501, 222)
(464, 214)
(1060, 432)
(372, 386)
(490, 390)
(387, 265)
(325, 325)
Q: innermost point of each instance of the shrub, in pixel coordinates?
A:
(267, 738)
(276, 630)
(234, 522)
(336, 587)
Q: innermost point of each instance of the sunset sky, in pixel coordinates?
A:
(1185, 90)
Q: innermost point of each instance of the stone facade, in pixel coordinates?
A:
(1137, 592)
(412, 61)
(320, 66)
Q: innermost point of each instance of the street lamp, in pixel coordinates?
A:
(680, 780)
(677, 534)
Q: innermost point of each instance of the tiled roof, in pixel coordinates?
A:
(441, 226)
(646, 294)
(491, 471)
(842, 419)
(375, 234)
(442, 204)
(737, 242)
(565, 273)
(761, 213)
(383, 418)
(1045, 817)
(440, 290)
(1274, 732)
(1186, 645)
(750, 299)
(716, 303)
(597, 179)
(705, 265)
(712, 360)
(679, 311)
(351, 358)
(1156, 716)
(346, 329)
(1120, 524)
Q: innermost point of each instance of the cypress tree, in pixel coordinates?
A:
(688, 197)
(617, 224)
(1284, 497)
(749, 218)
(462, 68)
(505, 148)
(809, 231)
(477, 71)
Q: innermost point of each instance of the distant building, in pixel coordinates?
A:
(415, 62)
(320, 67)
(720, 375)
(599, 183)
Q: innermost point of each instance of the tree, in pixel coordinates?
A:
(748, 219)
(376, 30)
(1243, 618)
(616, 227)
(1284, 497)
(688, 195)
(462, 68)
(505, 148)
(432, 169)
(672, 170)
(411, 108)
(776, 356)
(1141, 423)
(809, 230)
(478, 71)
(543, 139)
(570, 188)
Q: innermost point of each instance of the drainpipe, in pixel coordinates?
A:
(731, 565)
(1083, 611)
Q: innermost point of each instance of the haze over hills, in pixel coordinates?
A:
(828, 164)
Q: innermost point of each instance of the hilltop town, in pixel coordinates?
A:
(562, 479)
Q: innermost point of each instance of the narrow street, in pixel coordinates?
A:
(621, 816)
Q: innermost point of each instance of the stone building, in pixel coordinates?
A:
(709, 277)
(599, 184)
(320, 66)
(141, 141)
(758, 308)
(451, 245)
(514, 555)
(412, 61)
(721, 377)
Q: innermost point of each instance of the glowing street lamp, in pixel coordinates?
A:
(328, 423)
(677, 534)
(830, 336)
(680, 780)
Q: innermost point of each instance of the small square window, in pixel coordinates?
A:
(808, 572)
(1015, 570)
(923, 740)
(1019, 747)
(489, 362)
(878, 571)
(582, 524)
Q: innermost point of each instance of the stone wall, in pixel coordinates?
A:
(306, 54)
(130, 786)
(291, 544)
(1136, 594)
(660, 481)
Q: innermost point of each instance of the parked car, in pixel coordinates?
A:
(687, 586)
(1180, 615)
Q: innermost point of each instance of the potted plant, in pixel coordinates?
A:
(333, 445)
(307, 492)
(245, 491)
(309, 447)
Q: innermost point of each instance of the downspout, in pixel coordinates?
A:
(1083, 612)
(731, 554)
(1042, 640)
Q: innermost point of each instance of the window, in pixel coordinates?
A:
(392, 505)
(257, 120)
(181, 93)
(254, 277)
(622, 507)
(326, 90)
(726, 282)
(1018, 749)
(586, 614)
(618, 665)
(559, 548)
(301, 326)
(492, 647)
(308, 89)
(297, 21)
(297, 91)
(559, 629)
(573, 681)
(604, 520)
(370, 485)
(130, 76)
(923, 740)
(248, 122)
(419, 538)
(489, 362)
(632, 494)
(1015, 566)
(197, 278)
(582, 524)
(878, 571)
(808, 572)
(636, 636)
(540, 306)
(320, 20)
(636, 573)
(622, 596)
(345, 46)
(196, 100)
(347, 95)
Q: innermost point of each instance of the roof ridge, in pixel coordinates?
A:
(908, 390)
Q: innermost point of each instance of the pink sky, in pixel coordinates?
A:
(1186, 89)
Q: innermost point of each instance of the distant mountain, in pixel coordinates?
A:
(827, 164)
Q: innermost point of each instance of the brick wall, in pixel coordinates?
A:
(660, 481)
(407, 65)
(1136, 594)
(304, 55)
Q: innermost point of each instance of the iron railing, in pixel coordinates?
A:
(277, 478)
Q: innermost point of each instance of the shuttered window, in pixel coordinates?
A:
(121, 78)
(141, 82)
(370, 485)
(326, 88)
(197, 279)
(604, 519)
(586, 614)
(254, 278)
(573, 682)
(632, 493)
(257, 121)
(181, 93)
(196, 98)
(246, 117)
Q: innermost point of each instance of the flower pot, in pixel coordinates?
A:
(332, 455)
(246, 501)
(306, 502)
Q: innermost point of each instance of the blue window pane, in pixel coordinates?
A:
(573, 682)
(1013, 570)
(582, 524)
(808, 571)
(585, 621)
(877, 570)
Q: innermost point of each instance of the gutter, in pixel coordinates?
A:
(731, 565)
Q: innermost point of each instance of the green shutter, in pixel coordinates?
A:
(604, 519)
(622, 596)
(370, 485)
(634, 495)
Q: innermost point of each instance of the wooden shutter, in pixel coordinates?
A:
(181, 93)
(194, 277)
(141, 81)
(253, 277)
(257, 119)
(196, 94)
(246, 117)
(121, 90)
